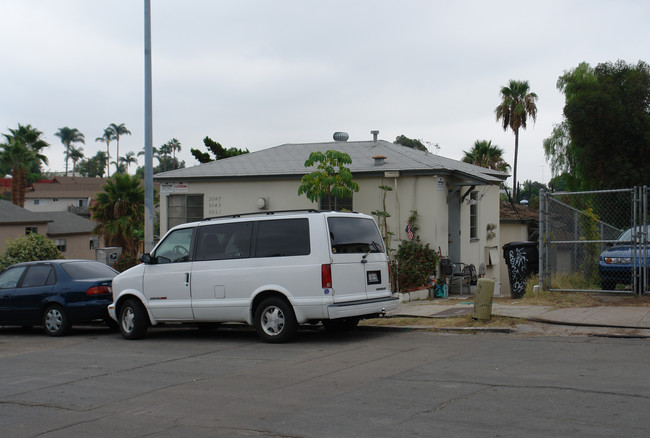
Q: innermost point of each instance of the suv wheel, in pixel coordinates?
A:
(275, 321)
(133, 319)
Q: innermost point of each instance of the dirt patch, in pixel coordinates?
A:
(455, 321)
(560, 300)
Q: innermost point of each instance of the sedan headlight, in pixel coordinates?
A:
(618, 260)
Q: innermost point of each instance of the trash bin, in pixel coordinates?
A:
(522, 259)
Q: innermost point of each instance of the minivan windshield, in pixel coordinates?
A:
(354, 235)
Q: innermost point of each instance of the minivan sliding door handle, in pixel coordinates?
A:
(187, 278)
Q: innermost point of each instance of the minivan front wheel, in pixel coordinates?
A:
(133, 319)
(275, 321)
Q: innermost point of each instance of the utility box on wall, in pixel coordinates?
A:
(109, 255)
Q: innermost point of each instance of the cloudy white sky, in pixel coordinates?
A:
(256, 74)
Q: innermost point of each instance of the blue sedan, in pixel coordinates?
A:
(55, 294)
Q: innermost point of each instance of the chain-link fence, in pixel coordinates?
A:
(594, 241)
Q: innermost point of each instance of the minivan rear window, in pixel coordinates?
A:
(282, 238)
(354, 235)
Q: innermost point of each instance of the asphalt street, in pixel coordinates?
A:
(370, 383)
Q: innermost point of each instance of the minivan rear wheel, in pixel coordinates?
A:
(275, 321)
(133, 319)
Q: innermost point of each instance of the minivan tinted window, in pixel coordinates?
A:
(282, 238)
(224, 241)
(354, 235)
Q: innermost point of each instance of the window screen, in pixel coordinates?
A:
(184, 208)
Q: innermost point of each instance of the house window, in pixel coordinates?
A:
(37, 201)
(60, 244)
(473, 215)
(184, 208)
(94, 242)
(337, 204)
(30, 230)
(55, 199)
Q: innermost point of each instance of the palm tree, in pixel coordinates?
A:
(117, 131)
(175, 145)
(119, 212)
(128, 159)
(17, 156)
(76, 154)
(69, 136)
(485, 155)
(28, 135)
(517, 103)
(107, 138)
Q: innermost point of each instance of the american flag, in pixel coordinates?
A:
(409, 230)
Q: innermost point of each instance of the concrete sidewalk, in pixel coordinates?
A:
(596, 321)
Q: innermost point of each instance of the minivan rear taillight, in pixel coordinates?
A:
(326, 276)
(99, 290)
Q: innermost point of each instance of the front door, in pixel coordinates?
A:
(454, 225)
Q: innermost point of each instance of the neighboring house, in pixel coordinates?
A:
(518, 223)
(72, 194)
(457, 203)
(71, 233)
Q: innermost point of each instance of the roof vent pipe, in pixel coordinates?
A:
(374, 135)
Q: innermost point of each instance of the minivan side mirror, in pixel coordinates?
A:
(146, 259)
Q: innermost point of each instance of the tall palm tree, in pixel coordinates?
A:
(69, 136)
(175, 145)
(28, 135)
(484, 154)
(117, 131)
(17, 156)
(76, 154)
(119, 212)
(517, 104)
(107, 138)
(128, 159)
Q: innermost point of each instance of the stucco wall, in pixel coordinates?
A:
(426, 194)
(77, 246)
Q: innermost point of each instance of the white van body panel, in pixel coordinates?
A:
(223, 287)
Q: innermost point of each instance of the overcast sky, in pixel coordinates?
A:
(257, 74)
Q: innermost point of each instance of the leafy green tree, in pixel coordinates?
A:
(117, 131)
(217, 150)
(17, 155)
(175, 146)
(605, 136)
(331, 179)
(119, 212)
(29, 248)
(107, 138)
(484, 154)
(69, 136)
(517, 104)
(94, 166)
(410, 143)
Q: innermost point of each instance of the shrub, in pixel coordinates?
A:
(29, 248)
(125, 262)
(416, 261)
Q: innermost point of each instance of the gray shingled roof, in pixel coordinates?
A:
(64, 222)
(288, 160)
(59, 222)
(13, 214)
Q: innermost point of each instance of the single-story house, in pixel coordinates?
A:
(72, 234)
(457, 203)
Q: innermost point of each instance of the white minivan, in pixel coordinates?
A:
(273, 271)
